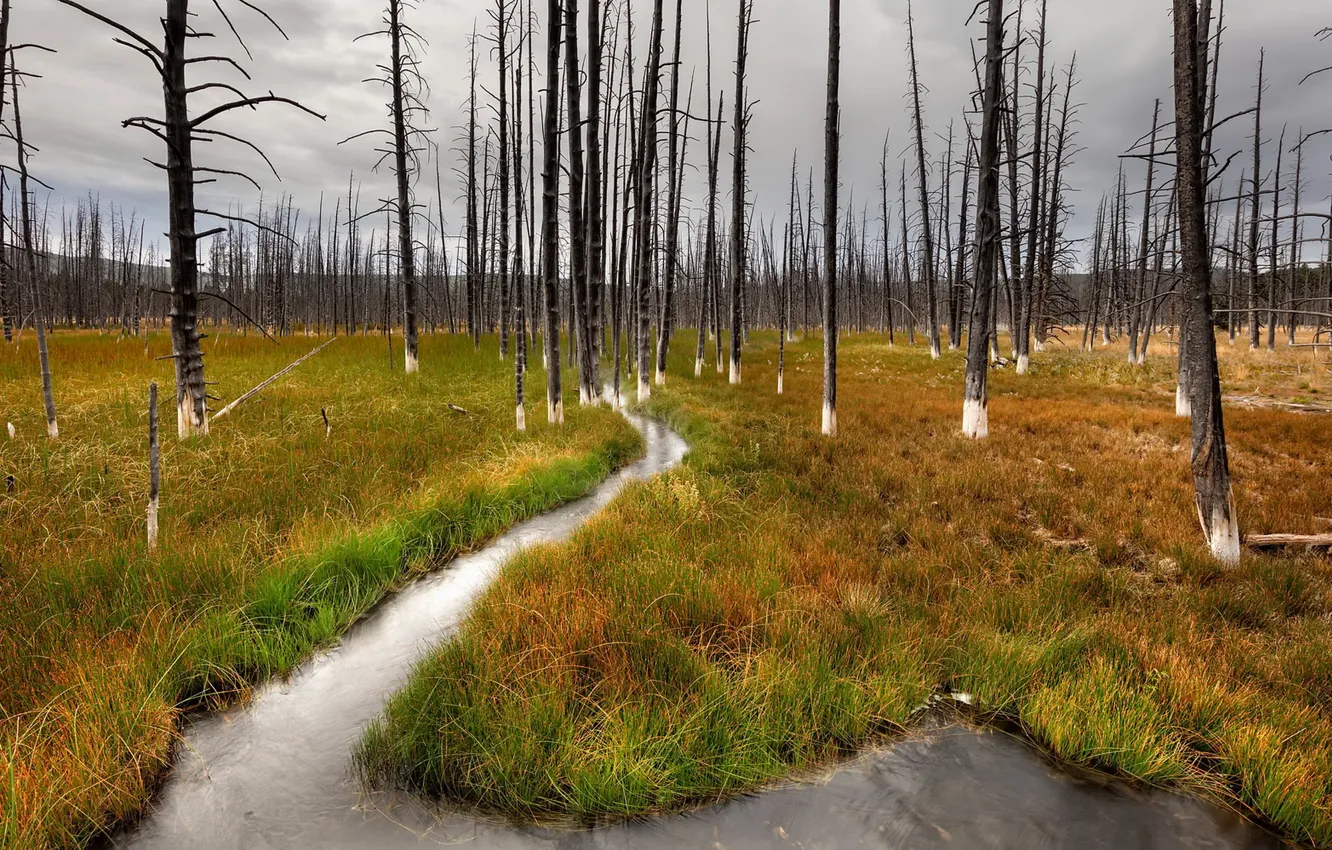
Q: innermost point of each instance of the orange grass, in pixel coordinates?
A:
(784, 599)
(274, 538)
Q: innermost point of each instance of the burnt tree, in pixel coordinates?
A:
(178, 131)
(1210, 463)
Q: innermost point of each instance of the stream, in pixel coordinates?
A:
(275, 773)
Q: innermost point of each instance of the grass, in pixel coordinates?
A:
(274, 539)
(782, 599)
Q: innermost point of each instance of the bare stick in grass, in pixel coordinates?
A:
(252, 393)
(154, 467)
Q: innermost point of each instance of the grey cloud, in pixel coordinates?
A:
(74, 111)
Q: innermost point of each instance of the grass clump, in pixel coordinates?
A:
(783, 599)
(274, 540)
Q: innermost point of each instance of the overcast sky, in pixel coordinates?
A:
(73, 112)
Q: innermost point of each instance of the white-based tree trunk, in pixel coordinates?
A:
(412, 366)
(1183, 404)
(829, 420)
(1023, 364)
(1223, 533)
(186, 424)
(735, 372)
(975, 419)
(154, 467)
(522, 417)
(644, 387)
(11, 430)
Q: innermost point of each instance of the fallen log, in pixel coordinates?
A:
(1282, 541)
(254, 392)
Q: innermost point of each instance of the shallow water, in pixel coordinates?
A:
(276, 773)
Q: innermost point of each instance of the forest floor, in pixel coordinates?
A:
(783, 600)
(275, 538)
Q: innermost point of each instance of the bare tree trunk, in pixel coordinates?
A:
(831, 160)
(550, 210)
(928, 270)
(519, 284)
(6, 306)
(30, 257)
(673, 165)
(191, 392)
(1254, 212)
(1210, 464)
(1144, 244)
(401, 154)
(596, 224)
(738, 247)
(1273, 290)
(646, 207)
(975, 413)
(154, 467)
(473, 232)
(708, 298)
(578, 230)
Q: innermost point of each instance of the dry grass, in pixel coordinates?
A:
(784, 599)
(274, 538)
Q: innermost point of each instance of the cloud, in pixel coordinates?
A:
(74, 112)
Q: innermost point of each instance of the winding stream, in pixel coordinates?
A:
(275, 773)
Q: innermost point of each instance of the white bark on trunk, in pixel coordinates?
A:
(186, 426)
(1183, 404)
(152, 525)
(1023, 364)
(11, 430)
(412, 366)
(522, 418)
(644, 387)
(781, 384)
(1223, 533)
(829, 420)
(735, 372)
(975, 420)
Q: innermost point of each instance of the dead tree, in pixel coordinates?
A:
(473, 222)
(928, 270)
(887, 319)
(711, 270)
(975, 411)
(35, 284)
(178, 131)
(6, 306)
(578, 198)
(831, 157)
(595, 206)
(673, 165)
(519, 287)
(154, 466)
(407, 139)
(1210, 463)
(1144, 247)
(1254, 211)
(550, 211)
(646, 205)
(739, 267)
